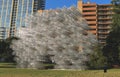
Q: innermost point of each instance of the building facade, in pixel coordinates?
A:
(13, 13)
(3, 33)
(104, 16)
(98, 17)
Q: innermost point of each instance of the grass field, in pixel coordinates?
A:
(10, 71)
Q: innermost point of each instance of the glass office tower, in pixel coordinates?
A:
(13, 13)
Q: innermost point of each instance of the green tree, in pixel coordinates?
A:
(97, 59)
(116, 16)
(112, 48)
(6, 51)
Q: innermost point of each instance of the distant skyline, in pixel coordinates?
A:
(53, 4)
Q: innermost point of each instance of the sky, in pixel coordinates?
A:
(53, 4)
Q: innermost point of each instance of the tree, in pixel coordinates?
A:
(60, 36)
(112, 48)
(116, 6)
(6, 51)
(97, 59)
(116, 16)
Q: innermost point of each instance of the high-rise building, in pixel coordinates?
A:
(3, 33)
(104, 16)
(98, 17)
(13, 13)
(89, 12)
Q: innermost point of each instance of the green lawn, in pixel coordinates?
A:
(15, 72)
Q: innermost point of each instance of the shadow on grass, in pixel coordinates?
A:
(13, 65)
(7, 65)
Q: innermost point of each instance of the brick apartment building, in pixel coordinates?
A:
(99, 18)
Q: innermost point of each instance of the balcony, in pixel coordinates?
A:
(92, 22)
(93, 27)
(104, 9)
(108, 27)
(102, 37)
(89, 13)
(90, 8)
(105, 18)
(92, 31)
(105, 22)
(102, 42)
(102, 13)
(88, 17)
(105, 5)
(92, 4)
(103, 32)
